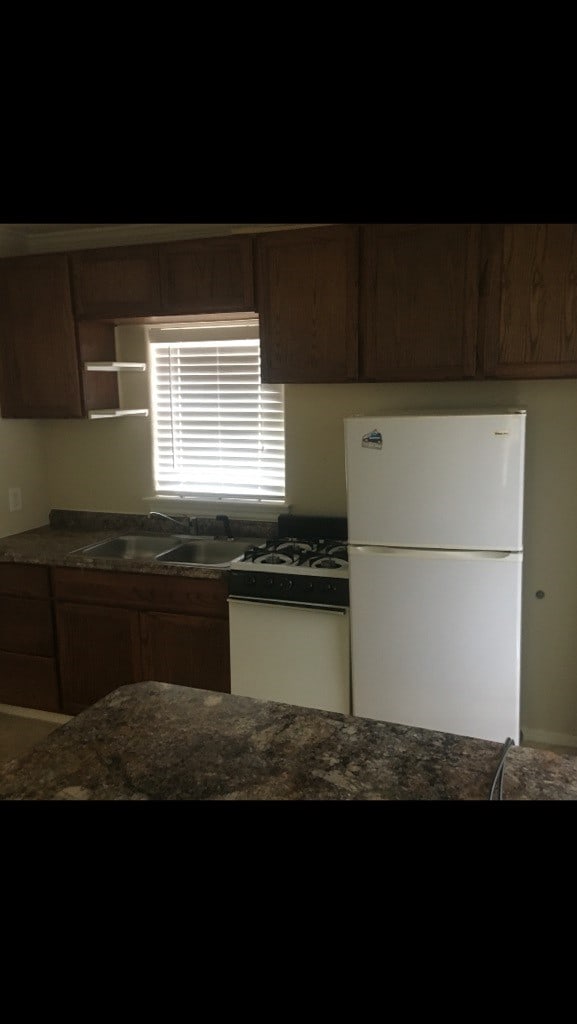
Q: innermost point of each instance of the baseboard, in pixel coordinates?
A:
(550, 739)
(42, 716)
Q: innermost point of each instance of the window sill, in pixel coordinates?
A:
(264, 511)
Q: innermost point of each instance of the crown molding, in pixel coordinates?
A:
(132, 234)
(118, 234)
(22, 239)
(13, 241)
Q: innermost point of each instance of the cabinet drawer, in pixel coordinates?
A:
(26, 626)
(128, 590)
(24, 580)
(28, 682)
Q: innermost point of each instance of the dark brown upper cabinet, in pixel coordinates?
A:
(115, 283)
(39, 370)
(529, 327)
(418, 302)
(211, 275)
(307, 300)
(43, 350)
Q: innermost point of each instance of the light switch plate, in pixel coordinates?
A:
(14, 499)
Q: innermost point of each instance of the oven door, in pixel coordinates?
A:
(291, 653)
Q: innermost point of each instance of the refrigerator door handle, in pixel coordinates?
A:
(432, 553)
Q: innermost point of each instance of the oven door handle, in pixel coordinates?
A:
(289, 604)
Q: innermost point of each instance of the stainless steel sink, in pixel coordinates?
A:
(147, 548)
(178, 549)
(203, 551)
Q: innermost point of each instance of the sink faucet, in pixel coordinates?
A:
(187, 525)
(225, 522)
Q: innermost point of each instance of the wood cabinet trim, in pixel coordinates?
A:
(141, 591)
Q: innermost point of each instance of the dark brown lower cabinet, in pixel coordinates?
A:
(28, 672)
(99, 650)
(119, 628)
(186, 650)
(28, 682)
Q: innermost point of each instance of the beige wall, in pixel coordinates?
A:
(23, 465)
(22, 461)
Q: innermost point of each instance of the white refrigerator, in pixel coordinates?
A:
(435, 522)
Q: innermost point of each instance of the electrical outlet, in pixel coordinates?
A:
(14, 499)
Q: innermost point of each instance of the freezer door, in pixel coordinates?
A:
(435, 640)
(436, 481)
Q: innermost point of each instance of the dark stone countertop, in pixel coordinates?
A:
(61, 543)
(47, 546)
(155, 741)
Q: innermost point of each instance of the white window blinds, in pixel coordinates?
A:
(217, 430)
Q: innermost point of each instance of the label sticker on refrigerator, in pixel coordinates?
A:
(374, 439)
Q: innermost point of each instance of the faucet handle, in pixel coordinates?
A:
(226, 523)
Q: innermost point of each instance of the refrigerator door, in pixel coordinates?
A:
(435, 639)
(436, 480)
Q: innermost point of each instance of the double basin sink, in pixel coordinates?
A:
(176, 549)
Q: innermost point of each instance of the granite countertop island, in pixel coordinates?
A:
(155, 741)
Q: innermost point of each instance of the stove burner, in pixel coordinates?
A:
(271, 558)
(319, 554)
(338, 551)
(328, 563)
(294, 548)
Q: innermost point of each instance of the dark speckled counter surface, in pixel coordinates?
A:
(61, 542)
(155, 741)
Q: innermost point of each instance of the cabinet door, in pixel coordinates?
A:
(120, 282)
(186, 650)
(99, 650)
(28, 681)
(419, 301)
(211, 275)
(39, 372)
(307, 299)
(26, 626)
(530, 326)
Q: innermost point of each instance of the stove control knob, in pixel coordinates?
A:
(252, 580)
(269, 581)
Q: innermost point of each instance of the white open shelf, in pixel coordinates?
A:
(114, 367)
(111, 414)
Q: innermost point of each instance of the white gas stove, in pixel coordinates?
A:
(289, 618)
(294, 570)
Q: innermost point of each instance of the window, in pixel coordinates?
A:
(218, 431)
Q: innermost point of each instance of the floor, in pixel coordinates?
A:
(20, 730)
